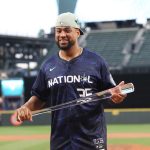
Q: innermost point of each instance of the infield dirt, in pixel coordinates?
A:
(110, 136)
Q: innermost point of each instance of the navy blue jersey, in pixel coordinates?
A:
(80, 127)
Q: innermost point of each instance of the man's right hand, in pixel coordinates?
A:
(24, 113)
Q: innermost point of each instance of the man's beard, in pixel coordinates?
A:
(67, 47)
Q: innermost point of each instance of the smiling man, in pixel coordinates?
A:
(72, 73)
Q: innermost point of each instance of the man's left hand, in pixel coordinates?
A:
(117, 97)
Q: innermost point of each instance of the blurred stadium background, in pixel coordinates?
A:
(125, 44)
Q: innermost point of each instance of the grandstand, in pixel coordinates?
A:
(15, 50)
(110, 43)
(141, 59)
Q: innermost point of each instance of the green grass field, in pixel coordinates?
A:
(43, 144)
(143, 128)
(35, 144)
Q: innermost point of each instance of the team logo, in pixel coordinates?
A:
(99, 143)
(69, 79)
(51, 69)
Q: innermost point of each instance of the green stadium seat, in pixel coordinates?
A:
(109, 44)
(142, 59)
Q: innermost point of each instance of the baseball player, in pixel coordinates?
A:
(72, 73)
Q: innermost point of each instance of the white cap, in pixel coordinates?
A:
(68, 19)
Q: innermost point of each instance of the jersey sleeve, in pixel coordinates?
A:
(107, 80)
(39, 87)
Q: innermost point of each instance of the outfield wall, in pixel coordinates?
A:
(128, 116)
(44, 119)
(113, 116)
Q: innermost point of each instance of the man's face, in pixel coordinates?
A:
(66, 37)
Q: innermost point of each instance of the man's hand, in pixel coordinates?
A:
(23, 113)
(117, 97)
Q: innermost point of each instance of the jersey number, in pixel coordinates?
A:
(84, 92)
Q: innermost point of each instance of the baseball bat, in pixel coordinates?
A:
(125, 89)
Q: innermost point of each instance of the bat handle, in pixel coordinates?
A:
(127, 88)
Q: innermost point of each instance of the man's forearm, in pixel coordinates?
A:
(34, 103)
